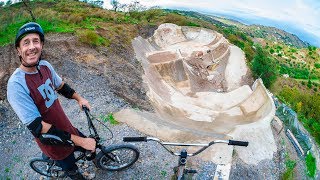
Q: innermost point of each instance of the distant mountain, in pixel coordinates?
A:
(198, 16)
(254, 31)
(265, 32)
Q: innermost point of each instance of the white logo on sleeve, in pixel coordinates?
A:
(48, 93)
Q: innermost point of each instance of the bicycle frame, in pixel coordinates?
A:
(183, 154)
(93, 135)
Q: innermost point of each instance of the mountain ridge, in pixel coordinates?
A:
(254, 31)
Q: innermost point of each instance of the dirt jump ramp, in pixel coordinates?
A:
(197, 82)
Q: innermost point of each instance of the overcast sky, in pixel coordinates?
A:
(303, 14)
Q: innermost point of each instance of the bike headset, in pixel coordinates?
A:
(28, 28)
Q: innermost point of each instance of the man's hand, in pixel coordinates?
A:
(89, 144)
(81, 101)
(86, 143)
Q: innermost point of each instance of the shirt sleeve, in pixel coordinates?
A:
(57, 81)
(22, 103)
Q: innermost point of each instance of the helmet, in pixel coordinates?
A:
(27, 28)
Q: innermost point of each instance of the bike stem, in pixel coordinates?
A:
(182, 163)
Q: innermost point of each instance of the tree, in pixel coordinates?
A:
(152, 13)
(264, 66)
(9, 2)
(98, 3)
(115, 5)
(25, 2)
(1, 4)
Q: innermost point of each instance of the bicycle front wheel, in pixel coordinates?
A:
(117, 157)
(46, 168)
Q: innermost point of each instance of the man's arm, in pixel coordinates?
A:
(65, 90)
(39, 127)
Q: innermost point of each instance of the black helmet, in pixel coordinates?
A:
(27, 28)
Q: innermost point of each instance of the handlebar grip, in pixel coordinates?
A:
(238, 143)
(134, 139)
(85, 108)
(192, 171)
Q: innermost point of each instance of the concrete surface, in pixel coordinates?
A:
(197, 83)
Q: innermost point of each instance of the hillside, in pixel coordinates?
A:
(266, 32)
(254, 31)
(91, 49)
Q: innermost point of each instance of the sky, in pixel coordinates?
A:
(299, 17)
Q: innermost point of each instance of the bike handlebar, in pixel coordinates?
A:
(135, 139)
(204, 146)
(238, 143)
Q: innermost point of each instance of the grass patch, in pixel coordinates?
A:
(109, 118)
(163, 173)
(311, 164)
(290, 165)
(91, 38)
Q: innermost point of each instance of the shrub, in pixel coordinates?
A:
(264, 66)
(176, 19)
(193, 24)
(152, 14)
(289, 173)
(317, 65)
(309, 85)
(75, 18)
(92, 38)
(311, 164)
(271, 51)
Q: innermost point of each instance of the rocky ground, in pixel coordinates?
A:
(111, 80)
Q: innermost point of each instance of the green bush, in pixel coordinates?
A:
(309, 85)
(75, 18)
(298, 73)
(289, 173)
(176, 19)
(317, 65)
(264, 66)
(193, 24)
(92, 38)
(271, 51)
(311, 164)
(293, 50)
(309, 113)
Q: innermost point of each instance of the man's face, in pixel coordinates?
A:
(30, 48)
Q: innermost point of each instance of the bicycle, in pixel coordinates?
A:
(180, 172)
(115, 157)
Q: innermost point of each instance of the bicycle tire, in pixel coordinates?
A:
(126, 155)
(46, 167)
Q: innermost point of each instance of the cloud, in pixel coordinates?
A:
(300, 13)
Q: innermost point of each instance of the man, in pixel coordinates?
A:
(31, 93)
